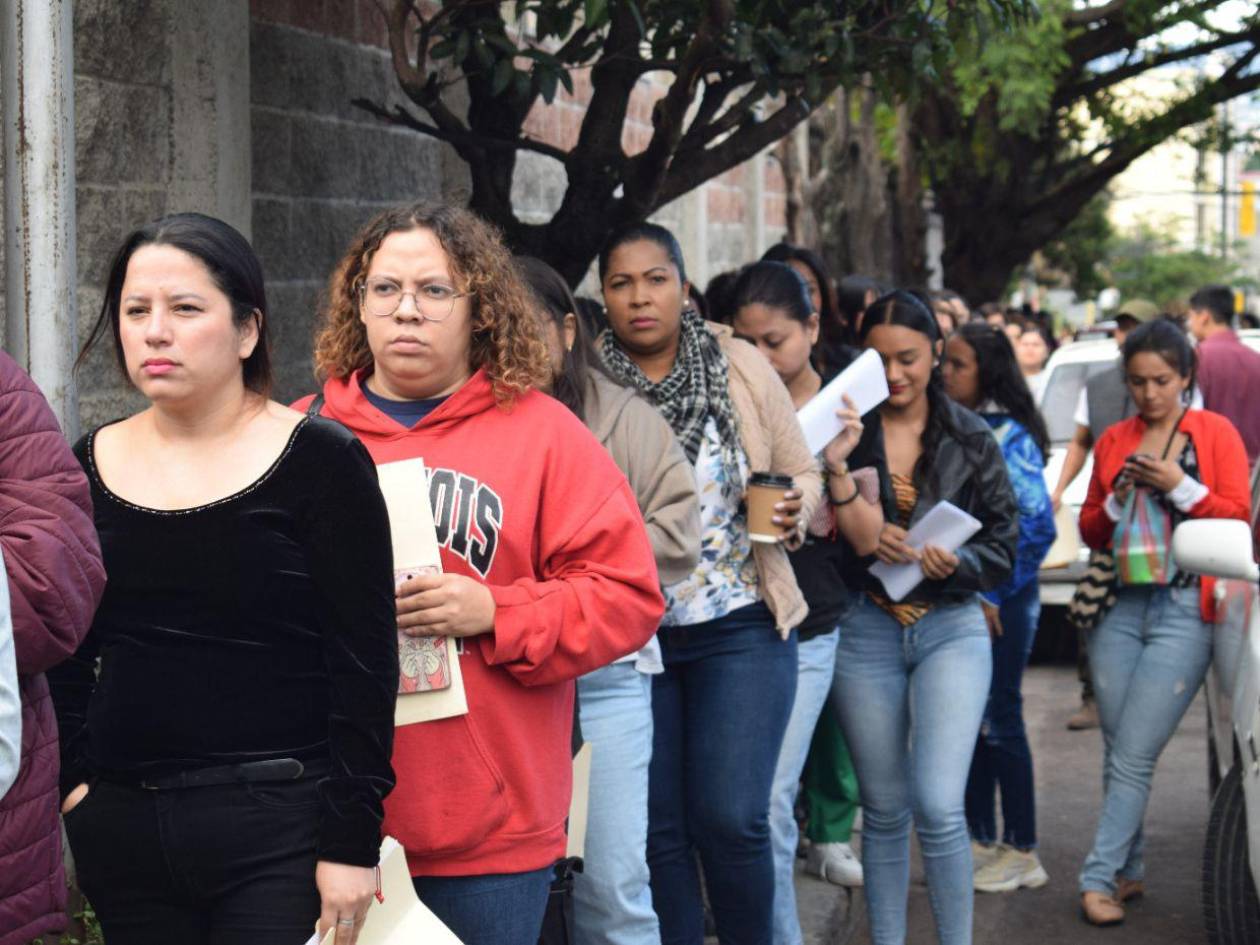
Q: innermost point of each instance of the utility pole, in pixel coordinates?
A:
(37, 82)
(1225, 180)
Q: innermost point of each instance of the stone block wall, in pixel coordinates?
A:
(157, 119)
(123, 162)
(321, 166)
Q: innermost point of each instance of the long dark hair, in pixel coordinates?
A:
(1164, 338)
(233, 266)
(911, 310)
(851, 300)
(836, 329)
(1001, 381)
(555, 301)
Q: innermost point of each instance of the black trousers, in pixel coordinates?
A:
(223, 865)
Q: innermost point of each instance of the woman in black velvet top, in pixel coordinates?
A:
(223, 775)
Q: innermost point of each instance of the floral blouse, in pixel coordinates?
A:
(726, 577)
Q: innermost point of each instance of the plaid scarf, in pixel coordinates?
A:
(696, 388)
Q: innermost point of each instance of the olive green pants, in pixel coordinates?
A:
(831, 786)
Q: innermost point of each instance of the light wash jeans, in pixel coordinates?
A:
(816, 666)
(612, 898)
(1148, 657)
(910, 703)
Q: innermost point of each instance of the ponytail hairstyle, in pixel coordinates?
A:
(1001, 381)
(775, 285)
(907, 309)
(555, 301)
(836, 328)
(1166, 339)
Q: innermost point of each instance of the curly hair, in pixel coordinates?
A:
(507, 339)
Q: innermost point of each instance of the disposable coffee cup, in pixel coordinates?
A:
(765, 491)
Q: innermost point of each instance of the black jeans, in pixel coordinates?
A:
(231, 864)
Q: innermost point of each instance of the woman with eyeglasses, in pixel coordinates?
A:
(432, 348)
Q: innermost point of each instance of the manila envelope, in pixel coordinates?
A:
(579, 805)
(400, 918)
(405, 486)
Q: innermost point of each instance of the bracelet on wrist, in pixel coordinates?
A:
(837, 503)
(837, 472)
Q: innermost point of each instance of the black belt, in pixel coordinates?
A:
(277, 769)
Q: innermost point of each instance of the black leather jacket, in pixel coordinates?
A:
(972, 475)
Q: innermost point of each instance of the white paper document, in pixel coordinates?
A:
(431, 685)
(400, 918)
(865, 383)
(580, 804)
(945, 526)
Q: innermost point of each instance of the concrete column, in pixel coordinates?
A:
(210, 117)
(693, 234)
(37, 79)
(755, 221)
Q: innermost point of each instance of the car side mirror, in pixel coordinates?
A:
(1216, 547)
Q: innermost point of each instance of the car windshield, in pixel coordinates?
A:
(1063, 390)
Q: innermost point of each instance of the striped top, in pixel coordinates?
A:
(905, 612)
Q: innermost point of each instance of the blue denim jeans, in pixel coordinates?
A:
(1002, 758)
(910, 703)
(1148, 657)
(495, 909)
(720, 710)
(816, 666)
(612, 899)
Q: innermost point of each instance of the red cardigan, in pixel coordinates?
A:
(1223, 468)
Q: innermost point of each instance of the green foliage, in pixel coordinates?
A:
(1082, 249)
(1149, 264)
(530, 47)
(1016, 69)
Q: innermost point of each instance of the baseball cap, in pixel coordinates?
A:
(1141, 310)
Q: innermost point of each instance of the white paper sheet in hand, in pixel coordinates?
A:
(865, 383)
(945, 526)
(401, 918)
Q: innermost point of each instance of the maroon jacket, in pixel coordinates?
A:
(53, 560)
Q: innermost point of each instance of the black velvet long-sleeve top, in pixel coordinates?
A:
(260, 626)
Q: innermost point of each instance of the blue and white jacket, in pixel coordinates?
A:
(1026, 468)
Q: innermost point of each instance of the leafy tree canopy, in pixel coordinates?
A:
(1021, 136)
(1147, 263)
(743, 73)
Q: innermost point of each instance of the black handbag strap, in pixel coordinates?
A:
(1172, 436)
(317, 404)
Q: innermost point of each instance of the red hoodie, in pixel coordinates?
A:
(528, 502)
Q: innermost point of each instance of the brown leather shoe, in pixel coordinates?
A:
(1100, 909)
(1127, 889)
(1086, 717)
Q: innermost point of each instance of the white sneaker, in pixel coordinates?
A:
(1010, 870)
(982, 855)
(834, 862)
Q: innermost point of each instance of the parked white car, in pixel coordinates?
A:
(1231, 857)
(1066, 374)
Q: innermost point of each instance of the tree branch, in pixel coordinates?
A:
(1094, 14)
(1105, 80)
(649, 168)
(687, 175)
(1114, 35)
(461, 139)
(699, 137)
(1147, 134)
